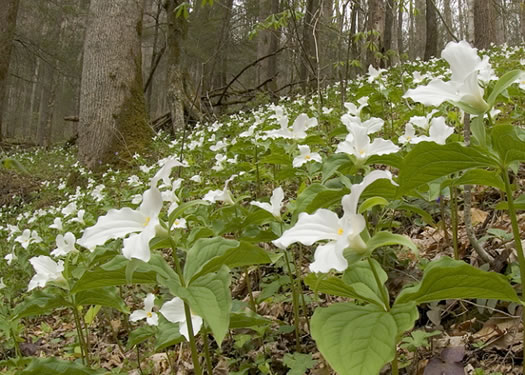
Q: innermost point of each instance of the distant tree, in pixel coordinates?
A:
(432, 35)
(8, 14)
(484, 23)
(267, 44)
(113, 119)
(376, 24)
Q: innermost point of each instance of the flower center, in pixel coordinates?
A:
(146, 222)
(307, 157)
(340, 231)
(149, 314)
(177, 222)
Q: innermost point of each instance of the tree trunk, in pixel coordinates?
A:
(267, 43)
(400, 48)
(484, 28)
(431, 47)
(113, 119)
(389, 22)
(306, 69)
(8, 13)
(470, 20)
(522, 19)
(420, 35)
(376, 23)
(447, 14)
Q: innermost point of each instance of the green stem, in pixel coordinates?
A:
(295, 302)
(194, 354)
(517, 240)
(395, 367)
(15, 344)
(253, 304)
(138, 360)
(207, 352)
(454, 221)
(81, 343)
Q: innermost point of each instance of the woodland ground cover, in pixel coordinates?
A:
(226, 217)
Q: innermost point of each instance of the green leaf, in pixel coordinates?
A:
(40, 302)
(427, 218)
(246, 254)
(381, 239)
(167, 335)
(428, 161)
(333, 163)
(248, 319)
(108, 296)
(355, 340)
(298, 363)
(479, 133)
(203, 250)
(335, 286)
(477, 177)
(100, 277)
(505, 81)
(209, 297)
(519, 204)
(405, 315)
(372, 202)
(177, 212)
(446, 278)
(53, 366)
(317, 196)
(91, 314)
(140, 335)
(509, 142)
(360, 272)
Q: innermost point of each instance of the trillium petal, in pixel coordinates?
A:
(351, 200)
(138, 315)
(151, 203)
(173, 310)
(462, 58)
(149, 302)
(137, 245)
(380, 146)
(153, 320)
(322, 225)
(265, 206)
(276, 201)
(439, 131)
(435, 93)
(115, 224)
(327, 257)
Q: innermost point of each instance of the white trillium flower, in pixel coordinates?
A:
(70, 209)
(11, 257)
(275, 205)
(28, 237)
(223, 195)
(439, 131)
(151, 317)
(341, 232)
(80, 217)
(305, 156)
(142, 223)
(466, 67)
(179, 223)
(360, 146)
(65, 244)
(164, 172)
(373, 73)
(409, 136)
(46, 270)
(57, 224)
(197, 178)
(173, 311)
(2, 285)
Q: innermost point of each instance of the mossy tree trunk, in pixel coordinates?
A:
(8, 13)
(113, 118)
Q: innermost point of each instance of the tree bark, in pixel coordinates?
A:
(8, 13)
(484, 27)
(113, 118)
(420, 32)
(399, 25)
(267, 43)
(376, 23)
(431, 45)
(306, 70)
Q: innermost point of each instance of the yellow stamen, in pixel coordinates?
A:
(147, 221)
(362, 152)
(149, 314)
(177, 222)
(340, 231)
(307, 157)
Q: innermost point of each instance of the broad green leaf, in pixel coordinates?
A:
(100, 277)
(509, 142)
(333, 163)
(386, 239)
(108, 296)
(245, 254)
(428, 161)
(204, 250)
(317, 196)
(360, 272)
(381, 188)
(40, 302)
(372, 202)
(479, 133)
(505, 81)
(477, 176)
(91, 314)
(167, 335)
(248, 319)
(519, 204)
(355, 340)
(335, 286)
(298, 363)
(209, 297)
(446, 278)
(140, 335)
(405, 315)
(54, 366)
(427, 218)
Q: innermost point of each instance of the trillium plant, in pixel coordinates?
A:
(284, 186)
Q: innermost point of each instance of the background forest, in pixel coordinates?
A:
(262, 187)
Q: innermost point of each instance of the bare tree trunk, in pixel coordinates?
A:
(432, 35)
(308, 48)
(420, 21)
(267, 43)
(470, 19)
(8, 13)
(484, 28)
(522, 19)
(389, 22)
(376, 22)
(447, 13)
(400, 47)
(113, 118)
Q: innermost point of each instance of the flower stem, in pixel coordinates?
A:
(209, 365)
(194, 354)
(380, 286)
(253, 304)
(295, 302)
(519, 247)
(454, 220)
(81, 343)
